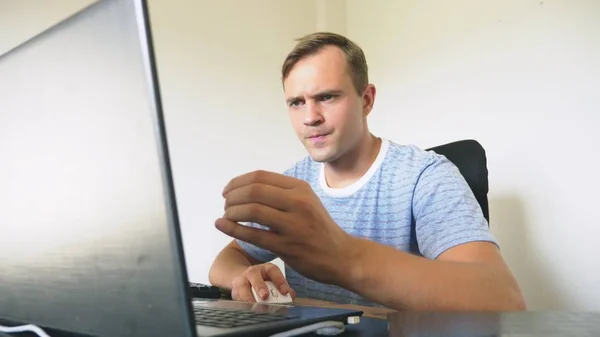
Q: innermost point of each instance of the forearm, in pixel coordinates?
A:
(229, 264)
(404, 281)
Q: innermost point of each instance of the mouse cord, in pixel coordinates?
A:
(328, 328)
(24, 328)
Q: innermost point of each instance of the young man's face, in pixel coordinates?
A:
(325, 110)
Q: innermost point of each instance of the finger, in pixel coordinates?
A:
(259, 237)
(245, 293)
(234, 289)
(257, 213)
(267, 195)
(263, 177)
(258, 283)
(273, 273)
(241, 291)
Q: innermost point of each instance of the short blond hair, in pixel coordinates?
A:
(312, 43)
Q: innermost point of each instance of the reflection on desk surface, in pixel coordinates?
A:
(373, 312)
(522, 324)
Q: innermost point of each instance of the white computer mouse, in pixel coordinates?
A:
(274, 295)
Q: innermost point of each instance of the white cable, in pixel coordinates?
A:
(338, 327)
(24, 328)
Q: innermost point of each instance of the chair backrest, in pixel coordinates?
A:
(469, 156)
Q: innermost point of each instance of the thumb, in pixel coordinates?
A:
(292, 293)
(272, 273)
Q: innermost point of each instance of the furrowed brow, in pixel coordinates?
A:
(332, 92)
(289, 100)
(328, 93)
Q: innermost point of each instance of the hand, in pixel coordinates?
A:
(255, 277)
(301, 232)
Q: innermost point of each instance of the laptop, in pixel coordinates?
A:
(89, 235)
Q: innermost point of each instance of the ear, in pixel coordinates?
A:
(368, 99)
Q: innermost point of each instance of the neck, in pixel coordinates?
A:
(353, 165)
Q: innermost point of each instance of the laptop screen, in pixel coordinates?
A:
(89, 240)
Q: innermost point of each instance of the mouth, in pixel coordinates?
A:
(318, 137)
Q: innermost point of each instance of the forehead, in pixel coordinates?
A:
(325, 70)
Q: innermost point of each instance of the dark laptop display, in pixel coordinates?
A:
(90, 237)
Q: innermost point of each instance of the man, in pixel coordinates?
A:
(360, 220)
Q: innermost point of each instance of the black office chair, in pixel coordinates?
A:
(469, 156)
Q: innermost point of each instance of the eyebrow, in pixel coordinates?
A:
(319, 94)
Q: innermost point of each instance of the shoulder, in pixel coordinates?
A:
(424, 174)
(412, 161)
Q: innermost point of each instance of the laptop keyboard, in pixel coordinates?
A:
(224, 318)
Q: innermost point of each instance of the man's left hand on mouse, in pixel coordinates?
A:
(301, 231)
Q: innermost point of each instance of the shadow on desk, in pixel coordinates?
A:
(371, 312)
(373, 323)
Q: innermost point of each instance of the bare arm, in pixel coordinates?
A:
(235, 270)
(231, 262)
(472, 276)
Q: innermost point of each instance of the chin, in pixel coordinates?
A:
(321, 156)
(318, 159)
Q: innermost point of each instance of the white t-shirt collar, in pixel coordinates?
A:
(350, 189)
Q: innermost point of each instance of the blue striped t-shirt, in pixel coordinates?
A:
(414, 200)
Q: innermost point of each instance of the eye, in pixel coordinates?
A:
(296, 103)
(326, 97)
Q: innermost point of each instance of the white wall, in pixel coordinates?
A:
(219, 65)
(523, 78)
(518, 75)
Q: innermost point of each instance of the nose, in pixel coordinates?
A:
(313, 115)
